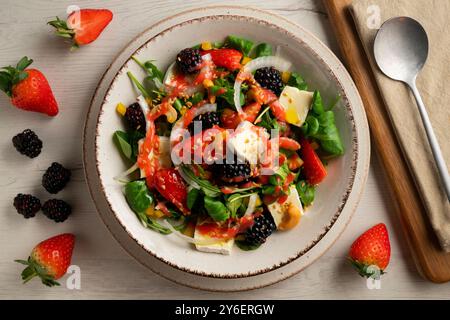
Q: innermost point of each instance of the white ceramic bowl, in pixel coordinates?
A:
(336, 197)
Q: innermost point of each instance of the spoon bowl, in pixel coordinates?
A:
(401, 48)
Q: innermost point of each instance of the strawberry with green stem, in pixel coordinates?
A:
(49, 260)
(28, 88)
(372, 248)
(82, 26)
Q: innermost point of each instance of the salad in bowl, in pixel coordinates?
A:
(226, 146)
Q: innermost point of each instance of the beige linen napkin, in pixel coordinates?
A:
(434, 85)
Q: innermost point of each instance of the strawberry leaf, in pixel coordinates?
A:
(34, 269)
(365, 270)
(23, 63)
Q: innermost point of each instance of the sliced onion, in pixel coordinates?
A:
(188, 180)
(277, 51)
(262, 62)
(251, 204)
(145, 109)
(204, 242)
(237, 96)
(169, 73)
(268, 61)
(178, 127)
(126, 173)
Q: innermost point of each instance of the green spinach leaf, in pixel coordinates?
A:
(216, 209)
(122, 142)
(138, 196)
(192, 197)
(263, 49)
(306, 192)
(246, 246)
(321, 125)
(296, 80)
(241, 44)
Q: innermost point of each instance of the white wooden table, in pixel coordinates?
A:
(106, 270)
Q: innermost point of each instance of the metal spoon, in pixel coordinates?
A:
(401, 49)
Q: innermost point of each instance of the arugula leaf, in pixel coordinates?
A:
(297, 81)
(121, 139)
(138, 196)
(233, 205)
(263, 49)
(196, 98)
(139, 85)
(216, 209)
(306, 192)
(235, 201)
(268, 122)
(268, 189)
(206, 186)
(128, 143)
(151, 223)
(241, 44)
(192, 196)
(278, 177)
(134, 137)
(228, 91)
(152, 71)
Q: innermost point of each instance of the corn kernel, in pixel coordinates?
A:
(121, 109)
(183, 110)
(207, 83)
(285, 76)
(206, 45)
(212, 99)
(151, 212)
(258, 201)
(246, 60)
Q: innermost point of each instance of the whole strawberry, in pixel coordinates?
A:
(28, 88)
(49, 260)
(372, 248)
(83, 26)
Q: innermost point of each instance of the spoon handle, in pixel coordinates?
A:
(440, 162)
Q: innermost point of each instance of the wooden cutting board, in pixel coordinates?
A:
(432, 263)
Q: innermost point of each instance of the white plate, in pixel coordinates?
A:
(285, 253)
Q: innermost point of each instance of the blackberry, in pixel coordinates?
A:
(135, 118)
(55, 178)
(234, 170)
(27, 205)
(27, 143)
(262, 228)
(208, 120)
(188, 60)
(269, 78)
(56, 210)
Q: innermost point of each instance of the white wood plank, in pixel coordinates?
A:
(107, 271)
